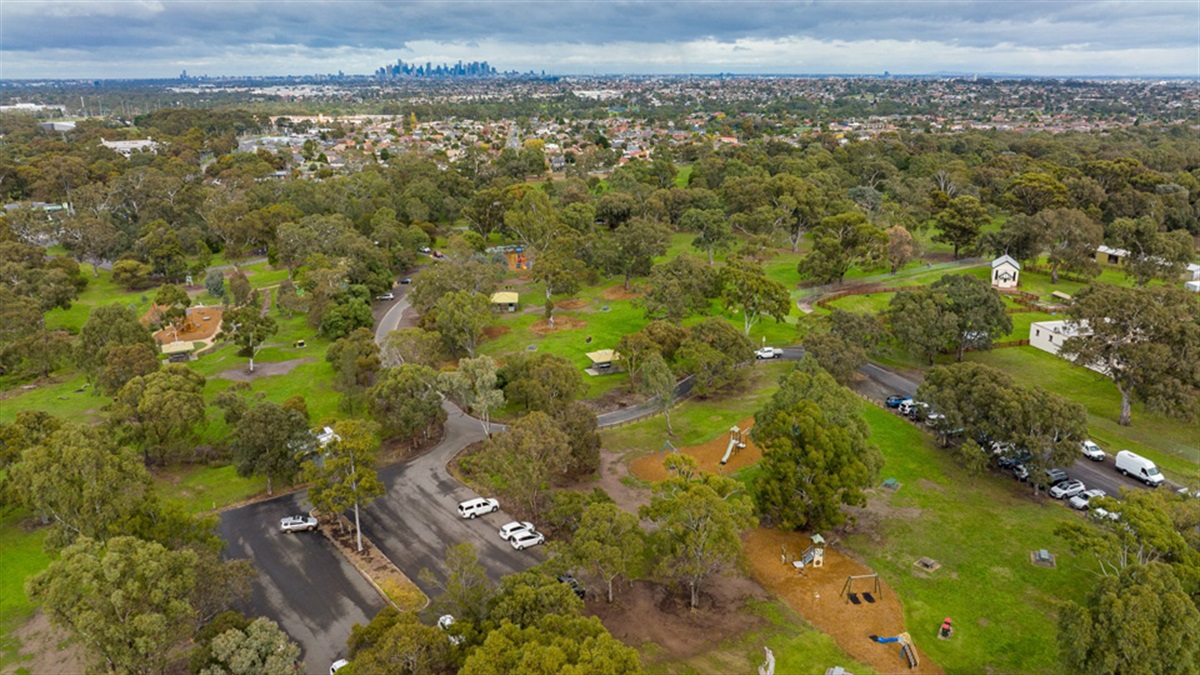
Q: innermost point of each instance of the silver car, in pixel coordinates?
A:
(1067, 490)
(298, 523)
(1080, 501)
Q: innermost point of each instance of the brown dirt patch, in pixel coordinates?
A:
(646, 612)
(708, 457)
(47, 648)
(619, 293)
(573, 303)
(493, 332)
(614, 399)
(202, 324)
(561, 323)
(608, 478)
(814, 596)
(262, 370)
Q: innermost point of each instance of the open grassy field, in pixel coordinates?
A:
(1172, 444)
(981, 531)
(22, 554)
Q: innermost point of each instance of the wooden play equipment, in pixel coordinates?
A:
(909, 651)
(737, 441)
(869, 596)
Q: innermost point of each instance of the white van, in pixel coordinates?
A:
(477, 506)
(1139, 467)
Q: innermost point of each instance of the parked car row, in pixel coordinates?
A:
(521, 535)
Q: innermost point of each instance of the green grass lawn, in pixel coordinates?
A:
(1173, 445)
(798, 648)
(698, 420)
(204, 488)
(981, 531)
(22, 555)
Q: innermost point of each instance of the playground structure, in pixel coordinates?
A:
(667, 445)
(200, 324)
(737, 441)
(907, 650)
(870, 596)
(814, 555)
(517, 260)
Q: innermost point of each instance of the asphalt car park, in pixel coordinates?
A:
(304, 584)
(417, 520)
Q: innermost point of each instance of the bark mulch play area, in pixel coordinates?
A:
(817, 596)
(201, 325)
(708, 456)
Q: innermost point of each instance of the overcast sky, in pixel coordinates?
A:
(159, 38)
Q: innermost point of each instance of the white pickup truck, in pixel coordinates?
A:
(768, 353)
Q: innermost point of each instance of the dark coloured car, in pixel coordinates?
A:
(576, 587)
(1056, 476)
(406, 280)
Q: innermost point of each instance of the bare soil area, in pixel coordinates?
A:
(647, 612)
(573, 303)
(561, 323)
(47, 648)
(614, 399)
(619, 293)
(815, 596)
(262, 370)
(708, 457)
(609, 478)
(492, 332)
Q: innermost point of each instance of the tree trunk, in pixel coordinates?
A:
(357, 526)
(710, 256)
(961, 351)
(1054, 273)
(1126, 408)
(269, 485)
(610, 595)
(96, 269)
(695, 588)
(627, 282)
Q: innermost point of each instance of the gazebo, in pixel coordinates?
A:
(506, 300)
(602, 361)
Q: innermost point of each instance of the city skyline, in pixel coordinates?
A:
(161, 38)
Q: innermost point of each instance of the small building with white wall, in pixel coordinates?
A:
(1049, 336)
(1006, 272)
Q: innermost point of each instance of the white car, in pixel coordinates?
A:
(768, 353)
(1067, 490)
(386, 296)
(298, 523)
(523, 540)
(477, 506)
(1092, 451)
(338, 665)
(1080, 501)
(445, 621)
(515, 527)
(1100, 514)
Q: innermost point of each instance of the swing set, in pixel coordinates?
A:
(870, 596)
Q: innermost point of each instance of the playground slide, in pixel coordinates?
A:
(729, 450)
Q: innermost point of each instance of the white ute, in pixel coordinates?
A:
(768, 353)
(477, 506)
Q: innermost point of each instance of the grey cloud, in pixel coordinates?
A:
(204, 29)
